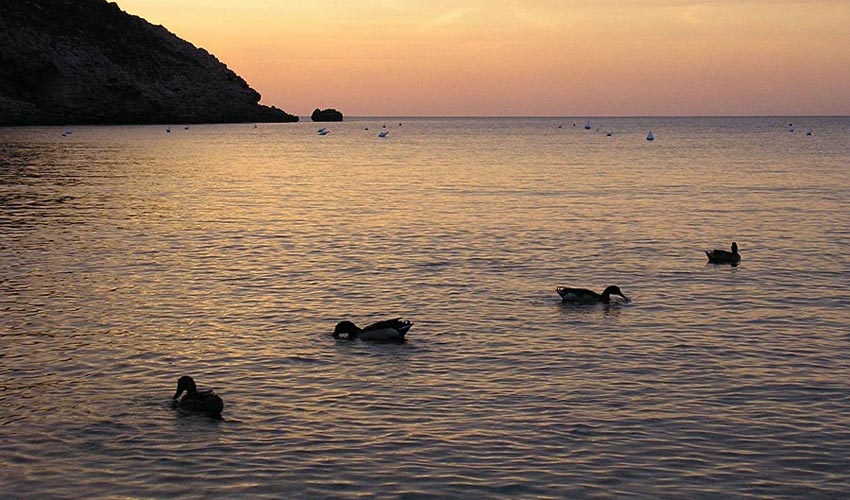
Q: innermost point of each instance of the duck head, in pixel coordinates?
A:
(613, 290)
(185, 383)
(734, 247)
(346, 327)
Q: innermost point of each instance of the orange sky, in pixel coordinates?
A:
(530, 57)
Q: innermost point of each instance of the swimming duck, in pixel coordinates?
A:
(391, 330)
(584, 296)
(196, 401)
(723, 257)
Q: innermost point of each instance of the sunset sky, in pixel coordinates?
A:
(527, 58)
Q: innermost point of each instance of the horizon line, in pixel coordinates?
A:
(597, 116)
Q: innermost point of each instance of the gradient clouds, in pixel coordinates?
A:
(536, 57)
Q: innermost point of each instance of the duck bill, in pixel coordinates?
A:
(625, 299)
(177, 394)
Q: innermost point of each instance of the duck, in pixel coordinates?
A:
(390, 330)
(194, 400)
(723, 257)
(585, 296)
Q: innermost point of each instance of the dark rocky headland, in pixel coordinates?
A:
(88, 62)
(326, 115)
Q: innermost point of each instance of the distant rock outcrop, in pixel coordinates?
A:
(87, 61)
(326, 115)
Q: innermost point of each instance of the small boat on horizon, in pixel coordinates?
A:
(649, 136)
(587, 125)
(383, 133)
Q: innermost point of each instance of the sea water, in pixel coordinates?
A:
(130, 256)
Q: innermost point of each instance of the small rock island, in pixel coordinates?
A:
(88, 62)
(326, 115)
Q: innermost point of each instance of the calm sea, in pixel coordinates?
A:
(130, 256)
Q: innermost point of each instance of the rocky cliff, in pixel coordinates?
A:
(326, 115)
(87, 61)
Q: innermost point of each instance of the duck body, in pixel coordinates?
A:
(723, 257)
(585, 296)
(390, 330)
(196, 401)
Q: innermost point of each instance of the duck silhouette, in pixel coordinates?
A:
(390, 330)
(585, 296)
(723, 257)
(196, 401)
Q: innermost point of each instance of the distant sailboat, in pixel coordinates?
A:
(168, 129)
(609, 134)
(323, 131)
(809, 132)
(587, 125)
(649, 136)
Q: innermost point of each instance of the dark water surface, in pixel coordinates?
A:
(130, 256)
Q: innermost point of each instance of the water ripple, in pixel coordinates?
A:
(128, 259)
